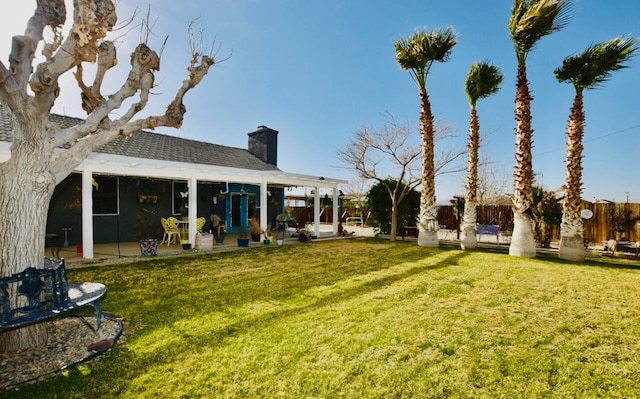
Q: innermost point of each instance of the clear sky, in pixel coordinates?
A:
(317, 71)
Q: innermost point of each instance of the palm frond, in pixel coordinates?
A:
(531, 20)
(593, 67)
(483, 80)
(417, 53)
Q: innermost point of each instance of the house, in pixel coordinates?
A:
(152, 175)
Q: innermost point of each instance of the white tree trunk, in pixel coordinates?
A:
(522, 242)
(571, 238)
(428, 227)
(468, 239)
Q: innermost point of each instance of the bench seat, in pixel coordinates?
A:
(43, 294)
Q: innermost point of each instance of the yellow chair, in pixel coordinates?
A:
(171, 231)
(200, 223)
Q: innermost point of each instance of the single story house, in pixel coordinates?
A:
(149, 175)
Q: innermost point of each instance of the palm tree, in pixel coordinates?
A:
(530, 21)
(483, 80)
(417, 54)
(588, 70)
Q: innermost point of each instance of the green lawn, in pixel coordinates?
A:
(363, 319)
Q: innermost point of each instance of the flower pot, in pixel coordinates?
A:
(186, 246)
(266, 242)
(220, 240)
(149, 247)
(279, 242)
(243, 242)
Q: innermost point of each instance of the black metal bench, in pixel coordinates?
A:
(38, 294)
(489, 229)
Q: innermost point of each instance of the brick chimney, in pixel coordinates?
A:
(263, 143)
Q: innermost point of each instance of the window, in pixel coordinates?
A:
(179, 188)
(105, 195)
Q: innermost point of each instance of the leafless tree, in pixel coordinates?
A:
(493, 182)
(28, 92)
(357, 191)
(394, 151)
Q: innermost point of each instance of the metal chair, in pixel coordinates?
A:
(171, 231)
(200, 222)
(282, 225)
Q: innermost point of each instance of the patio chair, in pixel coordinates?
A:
(300, 224)
(171, 231)
(282, 225)
(200, 222)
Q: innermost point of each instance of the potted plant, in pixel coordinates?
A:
(255, 230)
(221, 233)
(145, 232)
(243, 239)
(268, 236)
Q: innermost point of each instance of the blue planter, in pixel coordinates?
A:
(243, 242)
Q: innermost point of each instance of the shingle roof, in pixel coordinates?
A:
(150, 145)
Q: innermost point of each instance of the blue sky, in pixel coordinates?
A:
(317, 71)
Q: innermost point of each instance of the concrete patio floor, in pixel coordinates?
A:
(109, 253)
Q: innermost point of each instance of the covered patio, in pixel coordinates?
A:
(110, 253)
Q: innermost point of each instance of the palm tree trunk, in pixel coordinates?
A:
(468, 239)
(571, 228)
(522, 241)
(428, 226)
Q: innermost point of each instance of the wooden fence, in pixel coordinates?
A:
(597, 229)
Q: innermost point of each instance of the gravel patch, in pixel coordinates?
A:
(72, 340)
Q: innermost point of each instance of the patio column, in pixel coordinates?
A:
(335, 211)
(192, 185)
(316, 211)
(263, 207)
(87, 213)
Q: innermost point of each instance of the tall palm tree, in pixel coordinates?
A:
(530, 21)
(417, 54)
(483, 80)
(588, 70)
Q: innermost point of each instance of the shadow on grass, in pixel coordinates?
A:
(595, 261)
(224, 283)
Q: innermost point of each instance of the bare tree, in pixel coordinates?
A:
(357, 189)
(377, 154)
(28, 178)
(493, 182)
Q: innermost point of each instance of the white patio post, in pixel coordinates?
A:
(263, 207)
(335, 211)
(316, 211)
(192, 184)
(87, 213)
